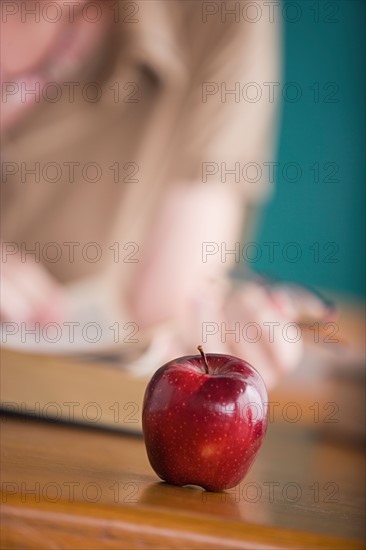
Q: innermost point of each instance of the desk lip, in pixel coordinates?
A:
(158, 520)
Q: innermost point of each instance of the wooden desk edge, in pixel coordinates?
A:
(126, 526)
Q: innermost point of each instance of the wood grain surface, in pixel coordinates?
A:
(80, 488)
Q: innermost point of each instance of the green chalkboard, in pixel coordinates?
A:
(315, 219)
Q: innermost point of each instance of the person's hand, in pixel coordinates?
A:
(259, 323)
(29, 293)
(190, 297)
(244, 321)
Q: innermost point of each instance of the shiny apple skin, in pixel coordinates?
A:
(204, 429)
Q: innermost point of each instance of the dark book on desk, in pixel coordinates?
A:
(64, 389)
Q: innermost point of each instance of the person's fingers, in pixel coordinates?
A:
(300, 303)
(270, 338)
(14, 305)
(29, 293)
(36, 283)
(244, 323)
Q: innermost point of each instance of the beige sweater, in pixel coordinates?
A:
(165, 118)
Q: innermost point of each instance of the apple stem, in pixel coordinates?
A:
(200, 349)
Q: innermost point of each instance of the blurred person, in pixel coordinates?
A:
(115, 119)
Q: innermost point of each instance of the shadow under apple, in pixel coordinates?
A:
(191, 498)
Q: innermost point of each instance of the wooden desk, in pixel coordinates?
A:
(73, 487)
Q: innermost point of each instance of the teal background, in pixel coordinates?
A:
(318, 130)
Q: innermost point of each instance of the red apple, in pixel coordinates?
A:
(204, 419)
